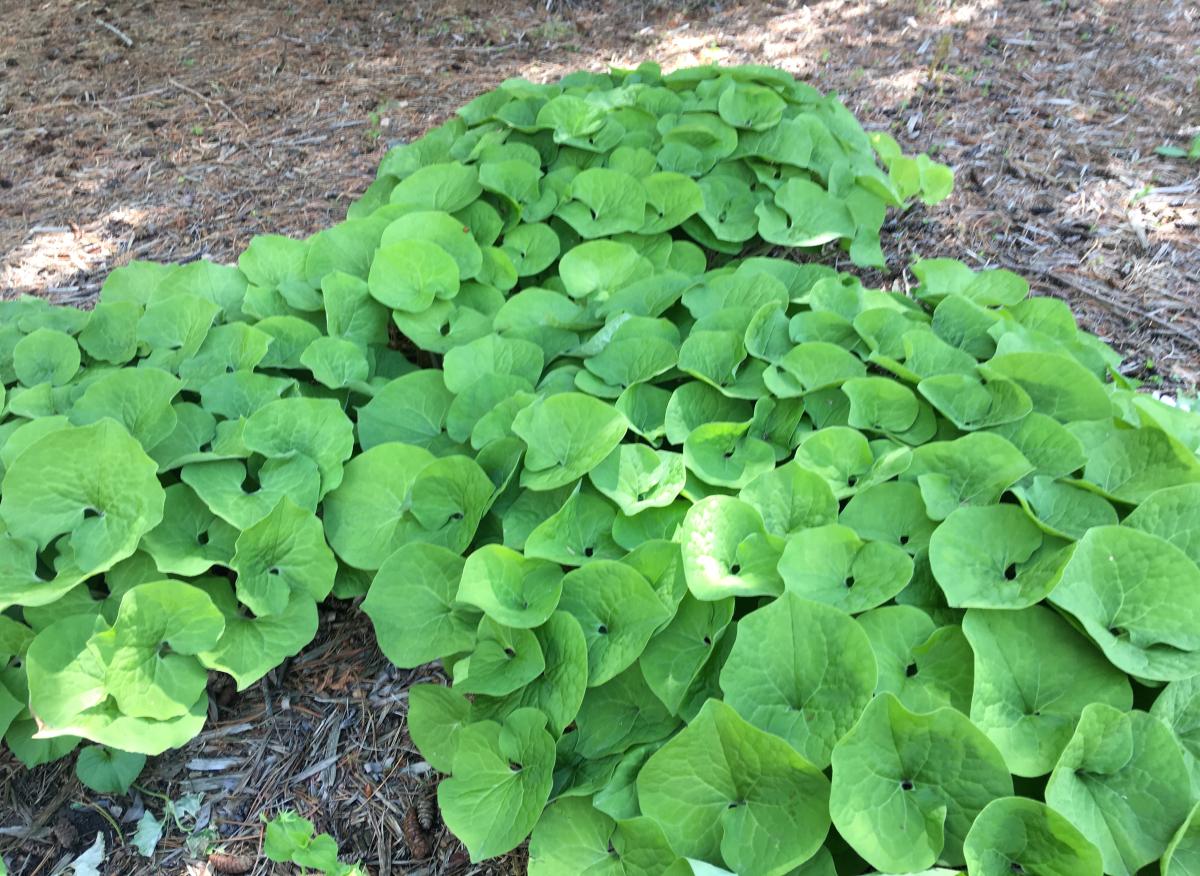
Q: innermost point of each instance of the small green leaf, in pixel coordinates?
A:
(242, 501)
(410, 274)
(559, 691)
(369, 515)
(502, 660)
(727, 550)
(675, 655)
(573, 837)
(250, 647)
(316, 428)
(601, 202)
(107, 770)
(436, 715)
(46, 356)
(576, 534)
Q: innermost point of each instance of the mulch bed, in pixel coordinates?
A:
(226, 120)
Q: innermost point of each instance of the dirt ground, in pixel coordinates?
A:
(177, 130)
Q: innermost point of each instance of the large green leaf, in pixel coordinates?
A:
(68, 692)
(190, 539)
(1019, 835)
(1034, 674)
(436, 714)
(1122, 782)
(283, 553)
(971, 404)
(111, 332)
(908, 785)
(95, 485)
(1172, 514)
(892, 512)
(618, 611)
(500, 782)
(801, 670)
(925, 666)
(1063, 509)
(567, 435)
(1131, 464)
(410, 409)
(490, 356)
(726, 455)
(994, 556)
(791, 498)
(413, 608)
(396, 493)
(438, 227)
(1051, 448)
(445, 186)
(724, 791)
(515, 590)
(139, 399)
(107, 770)
(574, 837)
(803, 214)
(151, 670)
(1058, 385)
(1138, 597)
(972, 470)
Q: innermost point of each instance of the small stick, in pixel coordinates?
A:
(207, 100)
(115, 31)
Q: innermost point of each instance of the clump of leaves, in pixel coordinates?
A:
(289, 839)
(734, 563)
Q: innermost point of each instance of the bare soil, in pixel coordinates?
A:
(182, 129)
